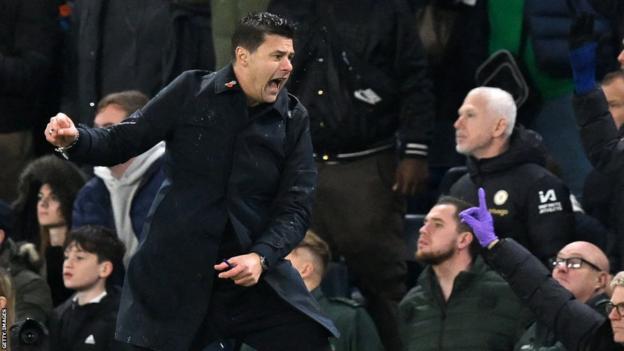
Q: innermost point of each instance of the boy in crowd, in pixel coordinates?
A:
(87, 319)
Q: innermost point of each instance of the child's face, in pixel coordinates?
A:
(81, 270)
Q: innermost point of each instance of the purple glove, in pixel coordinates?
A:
(480, 220)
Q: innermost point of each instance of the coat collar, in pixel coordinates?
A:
(429, 281)
(225, 81)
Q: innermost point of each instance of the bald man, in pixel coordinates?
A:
(583, 269)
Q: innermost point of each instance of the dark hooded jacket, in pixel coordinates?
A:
(528, 202)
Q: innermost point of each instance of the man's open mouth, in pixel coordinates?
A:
(277, 82)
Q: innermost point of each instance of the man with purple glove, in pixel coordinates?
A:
(578, 326)
(445, 310)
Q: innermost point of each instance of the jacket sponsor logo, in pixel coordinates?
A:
(501, 197)
(501, 212)
(547, 196)
(549, 203)
(231, 84)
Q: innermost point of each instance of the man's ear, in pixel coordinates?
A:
(2, 236)
(603, 280)
(465, 239)
(241, 55)
(307, 269)
(501, 126)
(106, 269)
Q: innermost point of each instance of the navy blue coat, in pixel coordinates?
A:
(221, 165)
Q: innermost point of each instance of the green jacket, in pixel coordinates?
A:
(357, 330)
(482, 313)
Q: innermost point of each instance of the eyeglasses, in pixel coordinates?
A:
(572, 263)
(619, 308)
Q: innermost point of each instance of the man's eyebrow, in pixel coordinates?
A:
(282, 52)
(434, 219)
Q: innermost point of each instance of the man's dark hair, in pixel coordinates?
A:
(252, 28)
(611, 76)
(461, 205)
(97, 240)
(129, 100)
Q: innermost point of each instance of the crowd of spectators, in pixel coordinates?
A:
(399, 125)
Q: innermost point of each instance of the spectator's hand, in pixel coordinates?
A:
(245, 269)
(583, 53)
(411, 176)
(480, 220)
(61, 131)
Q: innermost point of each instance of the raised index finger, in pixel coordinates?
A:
(482, 203)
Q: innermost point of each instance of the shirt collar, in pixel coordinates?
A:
(96, 299)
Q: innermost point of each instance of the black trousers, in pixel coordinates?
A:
(257, 317)
(361, 218)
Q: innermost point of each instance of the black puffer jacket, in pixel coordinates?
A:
(28, 39)
(528, 203)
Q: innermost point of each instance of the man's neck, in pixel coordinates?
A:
(312, 283)
(87, 295)
(497, 148)
(245, 85)
(447, 271)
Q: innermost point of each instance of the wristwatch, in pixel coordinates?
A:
(263, 262)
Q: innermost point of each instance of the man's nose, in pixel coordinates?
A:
(287, 65)
(456, 125)
(614, 315)
(561, 267)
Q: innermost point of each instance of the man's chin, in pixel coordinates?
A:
(433, 258)
(461, 150)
